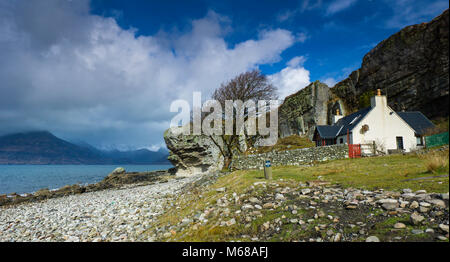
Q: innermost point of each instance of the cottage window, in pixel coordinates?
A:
(341, 140)
(419, 140)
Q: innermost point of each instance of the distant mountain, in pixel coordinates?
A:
(42, 147)
(141, 156)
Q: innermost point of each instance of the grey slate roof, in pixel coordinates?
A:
(327, 131)
(350, 121)
(341, 126)
(417, 121)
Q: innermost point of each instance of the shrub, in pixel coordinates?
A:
(436, 161)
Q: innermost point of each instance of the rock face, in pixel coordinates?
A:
(302, 111)
(410, 67)
(194, 154)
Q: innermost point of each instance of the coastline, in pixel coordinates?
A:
(125, 213)
(116, 214)
(109, 182)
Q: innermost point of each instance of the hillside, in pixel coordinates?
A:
(42, 147)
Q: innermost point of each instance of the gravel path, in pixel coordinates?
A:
(109, 215)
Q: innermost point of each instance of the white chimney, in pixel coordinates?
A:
(378, 100)
(337, 117)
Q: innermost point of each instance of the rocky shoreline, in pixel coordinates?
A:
(117, 179)
(316, 211)
(115, 214)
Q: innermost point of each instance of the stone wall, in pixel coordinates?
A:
(294, 157)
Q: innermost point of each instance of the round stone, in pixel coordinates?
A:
(399, 226)
(372, 239)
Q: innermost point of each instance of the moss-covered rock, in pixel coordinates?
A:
(302, 111)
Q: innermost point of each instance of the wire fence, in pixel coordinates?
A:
(436, 140)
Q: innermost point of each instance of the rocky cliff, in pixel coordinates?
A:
(302, 111)
(410, 67)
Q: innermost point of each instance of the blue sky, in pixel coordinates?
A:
(106, 71)
(339, 33)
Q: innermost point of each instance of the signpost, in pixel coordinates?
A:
(268, 170)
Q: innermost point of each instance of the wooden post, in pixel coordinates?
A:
(350, 153)
(374, 148)
(348, 137)
(268, 170)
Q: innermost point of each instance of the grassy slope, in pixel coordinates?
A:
(286, 143)
(388, 172)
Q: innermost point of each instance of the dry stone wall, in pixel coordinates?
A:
(294, 157)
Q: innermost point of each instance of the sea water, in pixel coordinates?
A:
(30, 178)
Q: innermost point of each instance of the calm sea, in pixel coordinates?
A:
(30, 178)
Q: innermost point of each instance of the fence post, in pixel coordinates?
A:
(374, 148)
(268, 170)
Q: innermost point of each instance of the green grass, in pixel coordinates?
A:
(385, 229)
(283, 144)
(388, 172)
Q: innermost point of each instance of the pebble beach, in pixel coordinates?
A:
(108, 215)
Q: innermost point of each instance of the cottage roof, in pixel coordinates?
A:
(417, 121)
(327, 131)
(350, 121)
(341, 126)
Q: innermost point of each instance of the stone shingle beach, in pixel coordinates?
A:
(107, 215)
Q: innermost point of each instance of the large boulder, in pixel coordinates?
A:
(119, 170)
(194, 154)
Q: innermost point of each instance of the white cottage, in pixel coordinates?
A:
(377, 124)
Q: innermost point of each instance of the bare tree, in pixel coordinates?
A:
(247, 86)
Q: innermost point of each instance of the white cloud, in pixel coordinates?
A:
(286, 15)
(306, 5)
(81, 76)
(330, 81)
(409, 12)
(296, 61)
(338, 6)
(292, 78)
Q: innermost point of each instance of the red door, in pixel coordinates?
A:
(354, 150)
